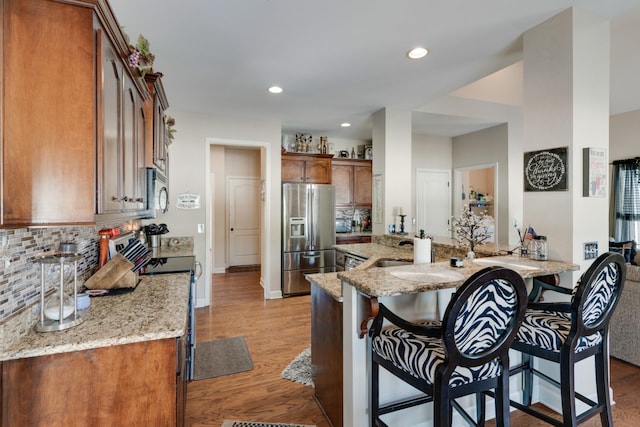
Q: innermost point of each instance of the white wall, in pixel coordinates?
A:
(485, 147)
(427, 152)
(624, 134)
(189, 172)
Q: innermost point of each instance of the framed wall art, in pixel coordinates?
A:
(594, 172)
(546, 170)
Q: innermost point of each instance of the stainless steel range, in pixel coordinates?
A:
(181, 264)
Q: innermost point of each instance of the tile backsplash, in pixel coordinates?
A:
(20, 280)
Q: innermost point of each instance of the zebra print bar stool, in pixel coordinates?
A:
(466, 354)
(566, 333)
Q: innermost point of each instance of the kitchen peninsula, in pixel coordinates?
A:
(342, 303)
(125, 364)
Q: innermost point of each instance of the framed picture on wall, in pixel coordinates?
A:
(546, 170)
(594, 172)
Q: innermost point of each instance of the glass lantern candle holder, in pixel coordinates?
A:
(60, 310)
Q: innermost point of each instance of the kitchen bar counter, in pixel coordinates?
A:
(408, 287)
(156, 309)
(381, 282)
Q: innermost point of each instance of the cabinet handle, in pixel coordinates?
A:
(140, 200)
(114, 199)
(126, 199)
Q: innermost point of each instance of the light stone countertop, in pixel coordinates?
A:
(375, 281)
(380, 282)
(156, 309)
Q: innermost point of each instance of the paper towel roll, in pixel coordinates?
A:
(421, 251)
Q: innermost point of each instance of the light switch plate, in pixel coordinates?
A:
(200, 228)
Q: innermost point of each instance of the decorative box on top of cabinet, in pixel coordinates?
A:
(52, 164)
(306, 168)
(353, 181)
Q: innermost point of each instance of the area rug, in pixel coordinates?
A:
(221, 357)
(299, 370)
(257, 424)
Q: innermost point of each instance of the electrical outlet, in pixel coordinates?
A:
(590, 250)
(200, 228)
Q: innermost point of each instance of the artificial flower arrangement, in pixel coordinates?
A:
(171, 122)
(471, 229)
(140, 55)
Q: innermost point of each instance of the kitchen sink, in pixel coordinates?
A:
(391, 263)
(514, 264)
(425, 273)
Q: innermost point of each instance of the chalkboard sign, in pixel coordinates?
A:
(546, 170)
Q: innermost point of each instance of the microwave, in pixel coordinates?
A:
(157, 193)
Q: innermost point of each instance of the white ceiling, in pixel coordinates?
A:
(342, 60)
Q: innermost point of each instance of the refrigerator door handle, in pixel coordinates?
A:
(311, 237)
(310, 256)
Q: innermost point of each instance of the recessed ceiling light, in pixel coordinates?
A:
(275, 89)
(345, 125)
(417, 53)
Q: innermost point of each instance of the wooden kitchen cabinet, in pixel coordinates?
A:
(48, 113)
(348, 239)
(138, 384)
(353, 182)
(157, 135)
(122, 137)
(52, 112)
(327, 353)
(306, 168)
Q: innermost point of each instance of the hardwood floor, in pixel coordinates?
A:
(276, 331)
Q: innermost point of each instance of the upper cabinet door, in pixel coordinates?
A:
(362, 185)
(111, 112)
(306, 168)
(342, 179)
(318, 171)
(121, 140)
(48, 110)
(353, 182)
(129, 152)
(292, 170)
(141, 164)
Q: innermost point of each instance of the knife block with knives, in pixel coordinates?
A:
(116, 273)
(121, 271)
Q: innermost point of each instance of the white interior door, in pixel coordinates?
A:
(244, 221)
(433, 201)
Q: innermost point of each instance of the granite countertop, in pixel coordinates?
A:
(375, 251)
(156, 309)
(328, 282)
(379, 282)
(375, 281)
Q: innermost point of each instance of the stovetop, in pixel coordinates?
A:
(176, 264)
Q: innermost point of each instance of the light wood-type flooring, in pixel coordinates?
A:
(276, 331)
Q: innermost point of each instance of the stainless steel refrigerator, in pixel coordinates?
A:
(308, 234)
